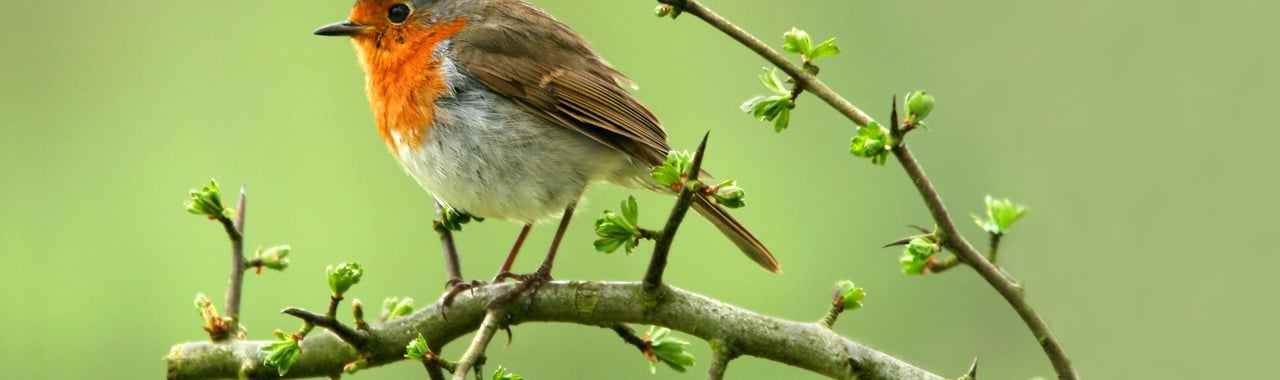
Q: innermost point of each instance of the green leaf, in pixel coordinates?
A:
(208, 202)
(283, 355)
(775, 83)
(919, 105)
(342, 277)
(797, 41)
(871, 142)
(214, 323)
(667, 349)
(607, 245)
(672, 171)
(503, 374)
(631, 211)
(1001, 214)
(275, 258)
(453, 219)
(619, 230)
(417, 348)
(848, 296)
(912, 265)
(394, 307)
(729, 194)
(783, 117)
(825, 49)
(918, 255)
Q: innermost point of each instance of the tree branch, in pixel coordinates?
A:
(629, 336)
(662, 246)
(235, 231)
(805, 345)
(492, 322)
(808, 81)
(953, 241)
(948, 234)
(721, 354)
(352, 336)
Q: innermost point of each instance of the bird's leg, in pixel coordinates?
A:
(451, 263)
(505, 272)
(530, 282)
(543, 274)
(455, 284)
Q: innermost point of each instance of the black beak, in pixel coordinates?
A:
(344, 28)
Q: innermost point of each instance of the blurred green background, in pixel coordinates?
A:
(1135, 131)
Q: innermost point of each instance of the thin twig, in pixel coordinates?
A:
(350, 335)
(434, 371)
(662, 246)
(953, 241)
(993, 246)
(721, 354)
(492, 321)
(628, 335)
(832, 315)
(235, 231)
(810, 82)
(948, 234)
(943, 265)
(437, 366)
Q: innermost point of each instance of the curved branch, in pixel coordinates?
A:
(475, 353)
(346, 333)
(956, 243)
(949, 235)
(804, 345)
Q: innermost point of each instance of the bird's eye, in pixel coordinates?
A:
(398, 13)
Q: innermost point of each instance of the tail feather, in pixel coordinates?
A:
(745, 241)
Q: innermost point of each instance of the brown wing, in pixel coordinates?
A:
(550, 70)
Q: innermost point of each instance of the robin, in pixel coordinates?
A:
(501, 111)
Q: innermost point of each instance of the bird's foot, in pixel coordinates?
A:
(527, 283)
(457, 286)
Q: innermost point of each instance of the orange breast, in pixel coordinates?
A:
(403, 79)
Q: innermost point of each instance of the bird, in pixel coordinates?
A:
(499, 110)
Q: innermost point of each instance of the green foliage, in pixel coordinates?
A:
(798, 42)
(394, 307)
(453, 219)
(777, 107)
(283, 353)
(871, 142)
(208, 202)
(673, 171)
(1001, 214)
(417, 349)
(342, 277)
(275, 258)
(848, 296)
(619, 230)
(918, 255)
(729, 194)
(919, 105)
(667, 349)
(503, 374)
(214, 323)
(662, 11)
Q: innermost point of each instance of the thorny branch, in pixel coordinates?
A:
(949, 236)
(821, 350)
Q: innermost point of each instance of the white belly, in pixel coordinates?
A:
(515, 168)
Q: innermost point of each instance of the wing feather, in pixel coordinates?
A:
(556, 75)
